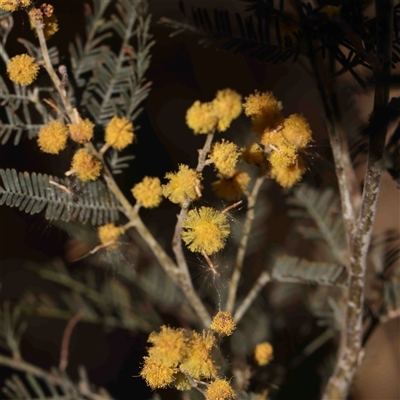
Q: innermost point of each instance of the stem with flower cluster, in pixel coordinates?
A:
(177, 238)
(178, 276)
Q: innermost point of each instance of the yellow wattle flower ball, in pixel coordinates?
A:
(81, 132)
(223, 323)
(296, 131)
(231, 187)
(263, 353)
(205, 230)
(148, 192)
(14, 5)
(85, 166)
(224, 155)
(199, 363)
(264, 110)
(181, 382)
(52, 137)
(119, 133)
(22, 69)
(228, 106)
(46, 17)
(220, 390)
(254, 155)
(50, 26)
(109, 234)
(201, 118)
(284, 156)
(288, 176)
(182, 185)
(169, 346)
(156, 374)
(258, 104)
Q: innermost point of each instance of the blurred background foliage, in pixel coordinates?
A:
(120, 296)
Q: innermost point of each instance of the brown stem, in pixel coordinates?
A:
(234, 282)
(66, 339)
(263, 279)
(352, 352)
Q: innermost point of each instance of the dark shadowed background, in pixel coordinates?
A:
(181, 72)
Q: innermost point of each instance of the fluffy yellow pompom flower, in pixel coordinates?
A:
(288, 176)
(199, 363)
(201, 118)
(182, 184)
(169, 346)
(284, 156)
(224, 155)
(14, 5)
(109, 234)
(223, 323)
(119, 133)
(181, 382)
(219, 390)
(86, 166)
(81, 132)
(205, 230)
(50, 26)
(156, 373)
(265, 111)
(22, 69)
(44, 15)
(263, 353)
(52, 137)
(296, 131)
(231, 187)
(228, 106)
(254, 155)
(148, 192)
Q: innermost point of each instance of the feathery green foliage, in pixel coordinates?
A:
(77, 201)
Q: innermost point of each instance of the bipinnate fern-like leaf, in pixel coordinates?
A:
(247, 35)
(33, 193)
(117, 85)
(23, 106)
(85, 56)
(299, 270)
(117, 162)
(53, 385)
(323, 207)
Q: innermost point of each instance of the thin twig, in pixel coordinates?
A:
(209, 262)
(352, 353)
(234, 282)
(263, 279)
(50, 70)
(66, 339)
(177, 238)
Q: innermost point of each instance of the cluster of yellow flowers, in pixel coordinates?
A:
(178, 358)
(45, 16)
(14, 5)
(109, 235)
(204, 118)
(283, 138)
(52, 138)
